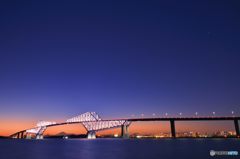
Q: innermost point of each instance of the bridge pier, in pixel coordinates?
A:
(22, 135)
(40, 132)
(124, 131)
(28, 136)
(237, 127)
(18, 135)
(39, 136)
(91, 135)
(173, 131)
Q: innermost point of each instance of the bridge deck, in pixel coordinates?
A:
(184, 118)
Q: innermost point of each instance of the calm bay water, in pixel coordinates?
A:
(116, 148)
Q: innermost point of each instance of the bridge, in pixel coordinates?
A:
(93, 123)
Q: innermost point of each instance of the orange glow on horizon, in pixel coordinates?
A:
(8, 127)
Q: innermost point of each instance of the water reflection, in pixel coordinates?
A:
(114, 148)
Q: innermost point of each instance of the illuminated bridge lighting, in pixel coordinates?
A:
(45, 123)
(93, 123)
(89, 116)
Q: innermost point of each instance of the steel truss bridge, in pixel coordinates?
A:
(93, 123)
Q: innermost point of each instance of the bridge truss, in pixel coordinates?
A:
(90, 120)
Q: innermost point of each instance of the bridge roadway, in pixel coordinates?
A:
(184, 118)
(170, 119)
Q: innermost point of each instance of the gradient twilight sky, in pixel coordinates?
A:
(60, 58)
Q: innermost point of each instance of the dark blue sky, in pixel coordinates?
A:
(62, 58)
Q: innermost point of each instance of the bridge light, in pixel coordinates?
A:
(232, 113)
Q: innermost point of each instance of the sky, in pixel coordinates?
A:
(59, 59)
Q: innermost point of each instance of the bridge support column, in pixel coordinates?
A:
(237, 127)
(18, 135)
(40, 132)
(39, 136)
(124, 131)
(22, 135)
(173, 131)
(28, 136)
(91, 135)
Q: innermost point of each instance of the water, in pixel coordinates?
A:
(116, 148)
